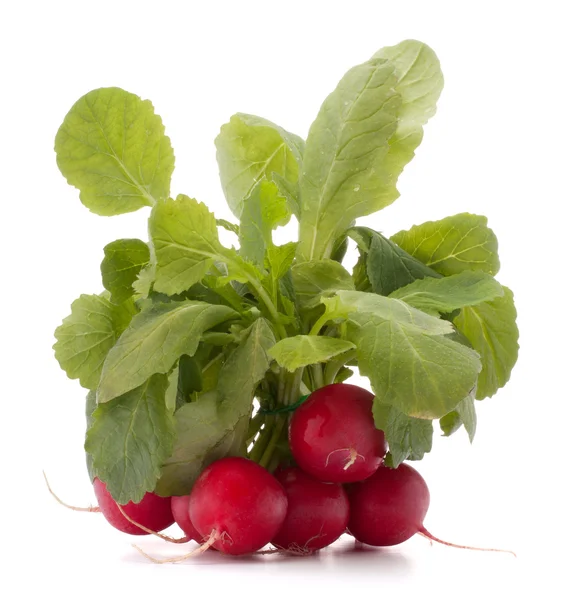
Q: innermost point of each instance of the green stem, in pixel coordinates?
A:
(277, 432)
(263, 295)
(288, 393)
(263, 439)
(254, 426)
(295, 386)
(316, 328)
(335, 366)
(318, 376)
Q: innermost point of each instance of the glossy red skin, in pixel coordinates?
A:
(389, 507)
(332, 422)
(180, 511)
(239, 500)
(153, 511)
(317, 515)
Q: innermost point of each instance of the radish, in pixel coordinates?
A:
(389, 508)
(317, 515)
(152, 511)
(333, 437)
(237, 505)
(180, 511)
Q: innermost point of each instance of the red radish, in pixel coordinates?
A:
(317, 515)
(153, 511)
(333, 437)
(180, 506)
(389, 508)
(238, 504)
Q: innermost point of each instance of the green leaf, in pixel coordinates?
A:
(90, 408)
(190, 379)
(450, 423)
(184, 235)
(340, 248)
(445, 295)
(467, 411)
(130, 439)
(412, 366)
(228, 226)
(407, 437)
(172, 390)
(87, 335)
(382, 309)
(280, 259)
(360, 274)
(123, 261)
(250, 149)
(492, 330)
(143, 285)
(302, 350)
(154, 341)
(219, 292)
(343, 375)
(464, 414)
(202, 438)
(211, 371)
(452, 245)
(420, 82)
(387, 266)
(316, 278)
(263, 210)
(215, 425)
(113, 148)
(245, 367)
(343, 175)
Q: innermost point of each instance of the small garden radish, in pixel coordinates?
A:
(389, 508)
(237, 505)
(318, 512)
(333, 437)
(153, 512)
(180, 511)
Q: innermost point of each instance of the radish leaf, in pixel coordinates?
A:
(250, 149)
(123, 261)
(130, 438)
(154, 341)
(492, 330)
(112, 147)
(452, 245)
(216, 424)
(302, 350)
(342, 176)
(410, 362)
(386, 266)
(445, 295)
(88, 334)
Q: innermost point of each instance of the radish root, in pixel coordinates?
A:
(164, 537)
(214, 537)
(91, 509)
(353, 456)
(432, 538)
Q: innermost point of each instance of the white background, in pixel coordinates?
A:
(495, 147)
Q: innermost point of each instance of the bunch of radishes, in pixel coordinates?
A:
(339, 484)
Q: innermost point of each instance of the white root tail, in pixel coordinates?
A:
(214, 537)
(164, 537)
(91, 509)
(432, 538)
